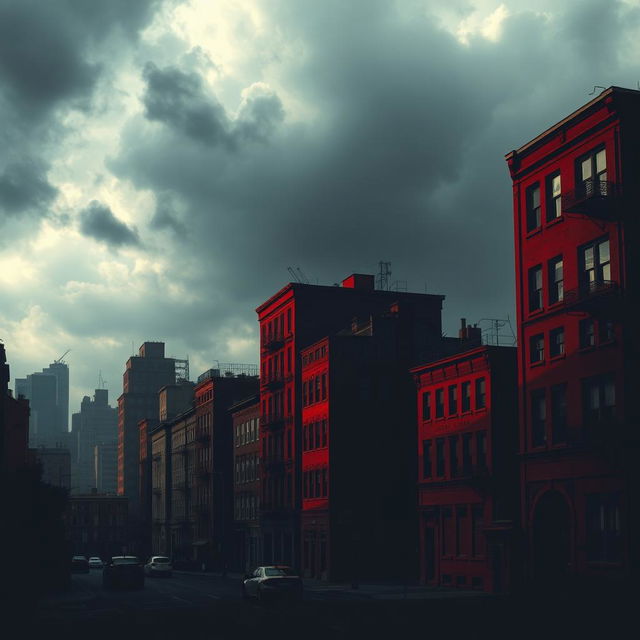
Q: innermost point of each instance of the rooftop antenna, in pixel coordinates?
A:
(596, 86)
(383, 275)
(60, 360)
(102, 383)
(298, 275)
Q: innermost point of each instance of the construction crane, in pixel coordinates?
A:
(59, 360)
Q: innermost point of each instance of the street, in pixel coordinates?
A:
(208, 606)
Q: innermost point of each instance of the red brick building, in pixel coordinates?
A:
(467, 468)
(246, 483)
(575, 197)
(294, 318)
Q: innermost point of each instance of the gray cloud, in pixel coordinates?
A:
(97, 221)
(24, 186)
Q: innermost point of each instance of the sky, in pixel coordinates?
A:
(164, 163)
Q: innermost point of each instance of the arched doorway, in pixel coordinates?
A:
(551, 539)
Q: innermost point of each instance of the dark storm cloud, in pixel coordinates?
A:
(165, 216)
(97, 221)
(179, 100)
(50, 63)
(24, 186)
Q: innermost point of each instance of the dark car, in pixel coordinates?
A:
(123, 572)
(272, 582)
(79, 564)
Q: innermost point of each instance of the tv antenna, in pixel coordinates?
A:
(298, 275)
(383, 275)
(596, 86)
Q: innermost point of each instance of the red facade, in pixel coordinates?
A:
(297, 316)
(575, 194)
(467, 473)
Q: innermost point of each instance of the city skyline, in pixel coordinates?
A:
(369, 132)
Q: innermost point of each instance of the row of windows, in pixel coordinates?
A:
(591, 179)
(274, 404)
(247, 432)
(205, 397)
(462, 532)
(247, 468)
(246, 506)
(277, 366)
(314, 389)
(273, 446)
(592, 332)
(277, 491)
(549, 408)
(463, 390)
(315, 483)
(455, 456)
(594, 268)
(314, 355)
(278, 327)
(314, 435)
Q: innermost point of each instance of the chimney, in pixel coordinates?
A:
(361, 281)
(462, 333)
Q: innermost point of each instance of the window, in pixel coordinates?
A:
(592, 174)
(556, 280)
(556, 342)
(426, 459)
(324, 386)
(595, 262)
(559, 413)
(604, 542)
(440, 457)
(477, 541)
(462, 531)
(453, 455)
(535, 288)
(587, 333)
(439, 403)
(533, 207)
(605, 330)
(453, 400)
(554, 197)
(536, 348)
(599, 398)
(466, 454)
(447, 531)
(538, 418)
(466, 396)
(481, 400)
(426, 405)
(481, 445)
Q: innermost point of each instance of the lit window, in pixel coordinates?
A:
(556, 280)
(595, 260)
(554, 197)
(592, 174)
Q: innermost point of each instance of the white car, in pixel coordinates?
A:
(95, 563)
(159, 566)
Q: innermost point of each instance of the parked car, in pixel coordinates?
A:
(123, 572)
(79, 564)
(272, 582)
(95, 563)
(159, 566)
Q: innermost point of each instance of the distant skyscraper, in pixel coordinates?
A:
(106, 467)
(145, 374)
(97, 424)
(48, 395)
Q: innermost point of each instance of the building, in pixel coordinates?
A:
(14, 424)
(294, 318)
(192, 471)
(467, 469)
(96, 525)
(106, 467)
(145, 374)
(246, 483)
(95, 424)
(576, 236)
(48, 395)
(56, 465)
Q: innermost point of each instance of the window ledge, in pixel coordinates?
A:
(588, 349)
(560, 356)
(556, 305)
(538, 363)
(533, 232)
(536, 312)
(552, 221)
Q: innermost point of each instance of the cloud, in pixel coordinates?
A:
(98, 222)
(24, 186)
